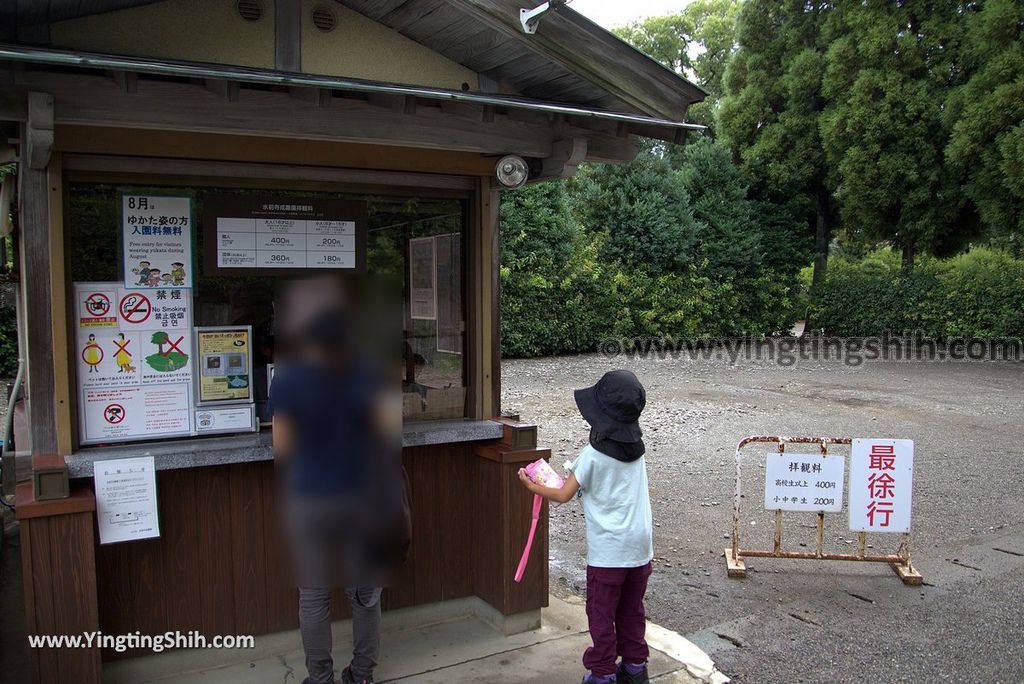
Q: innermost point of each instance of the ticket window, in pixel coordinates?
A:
(414, 256)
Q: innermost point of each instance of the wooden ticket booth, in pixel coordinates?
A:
(166, 152)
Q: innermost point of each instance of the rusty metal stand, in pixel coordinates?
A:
(734, 555)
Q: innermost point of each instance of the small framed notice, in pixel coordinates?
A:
(126, 507)
(422, 279)
(225, 365)
(214, 419)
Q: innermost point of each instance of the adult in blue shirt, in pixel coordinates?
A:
(334, 434)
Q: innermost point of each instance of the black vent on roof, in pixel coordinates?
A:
(324, 18)
(250, 10)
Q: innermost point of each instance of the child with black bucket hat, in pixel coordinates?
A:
(610, 475)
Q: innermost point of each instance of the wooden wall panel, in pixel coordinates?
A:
(455, 546)
(178, 504)
(282, 596)
(213, 549)
(74, 575)
(248, 555)
(59, 583)
(222, 565)
(41, 618)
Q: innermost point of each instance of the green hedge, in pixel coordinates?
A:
(977, 294)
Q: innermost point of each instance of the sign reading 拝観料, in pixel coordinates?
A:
(803, 482)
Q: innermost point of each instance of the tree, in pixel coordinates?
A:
(986, 119)
(769, 115)
(886, 72)
(729, 239)
(696, 42)
(644, 211)
(159, 338)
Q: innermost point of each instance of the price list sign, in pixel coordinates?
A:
(283, 235)
(804, 482)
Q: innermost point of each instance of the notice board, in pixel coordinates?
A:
(275, 235)
(134, 360)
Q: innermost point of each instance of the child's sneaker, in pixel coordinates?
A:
(592, 678)
(348, 678)
(630, 673)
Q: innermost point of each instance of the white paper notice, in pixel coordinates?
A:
(803, 482)
(126, 499)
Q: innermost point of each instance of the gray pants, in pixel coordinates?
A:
(315, 625)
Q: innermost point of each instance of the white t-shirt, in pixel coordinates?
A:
(617, 508)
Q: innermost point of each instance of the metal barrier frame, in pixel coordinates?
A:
(734, 555)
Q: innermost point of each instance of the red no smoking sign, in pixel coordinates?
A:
(114, 413)
(135, 307)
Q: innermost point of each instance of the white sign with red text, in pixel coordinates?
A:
(881, 483)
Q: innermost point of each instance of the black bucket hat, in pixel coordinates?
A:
(613, 406)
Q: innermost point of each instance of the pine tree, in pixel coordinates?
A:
(769, 115)
(986, 117)
(887, 69)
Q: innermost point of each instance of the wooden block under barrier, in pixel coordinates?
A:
(736, 567)
(907, 574)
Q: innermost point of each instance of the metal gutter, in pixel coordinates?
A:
(88, 60)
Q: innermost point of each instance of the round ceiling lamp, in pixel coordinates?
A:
(512, 171)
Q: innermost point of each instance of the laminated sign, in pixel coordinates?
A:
(156, 241)
(134, 361)
(881, 483)
(225, 365)
(803, 482)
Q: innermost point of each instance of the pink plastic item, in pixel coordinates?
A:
(543, 474)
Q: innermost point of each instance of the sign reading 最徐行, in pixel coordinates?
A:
(881, 483)
(803, 482)
(156, 241)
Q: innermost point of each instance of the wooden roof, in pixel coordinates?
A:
(568, 60)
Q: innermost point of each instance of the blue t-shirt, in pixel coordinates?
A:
(332, 414)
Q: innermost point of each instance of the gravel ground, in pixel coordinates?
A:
(812, 621)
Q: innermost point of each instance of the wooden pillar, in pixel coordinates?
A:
(59, 576)
(500, 530)
(37, 303)
(484, 306)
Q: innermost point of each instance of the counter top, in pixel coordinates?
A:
(214, 451)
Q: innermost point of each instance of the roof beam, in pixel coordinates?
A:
(579, 45)
(96, 100)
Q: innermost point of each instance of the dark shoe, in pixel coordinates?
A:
(623, 676)
(592, 678)
(348, 678)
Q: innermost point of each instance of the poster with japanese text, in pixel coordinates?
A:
(133, 355)
(803, 482)
(157, 241)
(117, 414)
(225, 364)
(282, 235)
(881, 484)
(126, 500)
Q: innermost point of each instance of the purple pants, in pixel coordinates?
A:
(615, 611)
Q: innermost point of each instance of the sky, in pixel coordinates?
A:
(612, 13)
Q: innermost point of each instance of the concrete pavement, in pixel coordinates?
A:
(460, 648)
